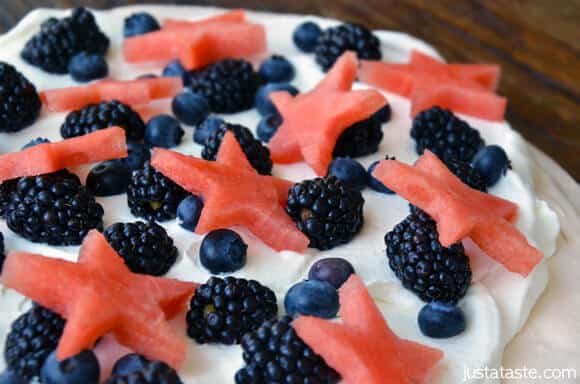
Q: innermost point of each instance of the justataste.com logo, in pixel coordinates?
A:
(524, 373)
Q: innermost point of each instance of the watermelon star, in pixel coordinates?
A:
(363, 349)
(313, 121)
(460, 211)
(100, 295)
(235, 194)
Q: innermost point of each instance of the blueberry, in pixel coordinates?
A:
(163, 131)
(139, 154)
(492, 162)
(174, 68)
(35, 142)
(190, 108)
(109, 178)
(277, 69)
(306, 35)
(383, 115)
(128, 364)
(268, 126)
(441, 320)
(139, 24)
(312, 298)
(223, 250)
(188, 212)
(350, 171)
(85, 67)
(262, 100)
(9, 377)
(206, 128)
(80, 369)
(333, 270)
(375, 183)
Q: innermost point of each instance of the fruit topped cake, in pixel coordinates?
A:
(194, 195)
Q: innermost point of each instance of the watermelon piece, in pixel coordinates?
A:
(233, 16)
(235, 194)
(363, 349)
(101, 145)
(99, 295)
(462, 212)
(313, 121)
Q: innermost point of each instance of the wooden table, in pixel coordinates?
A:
(537, 43)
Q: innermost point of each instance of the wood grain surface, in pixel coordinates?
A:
(537, 43)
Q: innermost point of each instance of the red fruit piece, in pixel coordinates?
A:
(99, 295)
(235, 194)
(460, 211)
(313, 121)
(101, 145)
(233, 16)
(363, 349)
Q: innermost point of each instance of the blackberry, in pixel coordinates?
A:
(258, 155)
(54, 209)
(274, 353)
(360, 139)
(154, 372)
(424, 266)
(333, 42)
(223, 310)
(103, 115)
(32, 337)
(326, 210)
(19, 102)
(6, 190)
(59, 40)
(145, 247)
(2, 255)
(466, 173)
(229, 85)
(153, 196)
(444, 134)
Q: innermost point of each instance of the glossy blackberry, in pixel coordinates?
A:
(229, 85)
(60, 39)
(6, 190)
(54, 209)
(103, 115)
(360, 139)
(274, 354)
(19, 102)
(444, 134)
(154, 372)
(145, 247)
(424, 266)
(333, 42)
(466, 173)
(2, 255)
(152, 196)
(223, 310)
(258, 155)
(32, 337)
(326, 210)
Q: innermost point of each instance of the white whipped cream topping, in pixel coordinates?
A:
(496, 306)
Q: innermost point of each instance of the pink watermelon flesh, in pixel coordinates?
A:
(233, 16)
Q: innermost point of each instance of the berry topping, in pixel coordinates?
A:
(223, 250)
(32, 337)
(59, 40)
(223, 310)
(35, 142)
(109, 178)
(275, 354)
(441, 320)
(424, 266)
(152, 196)
(79, 369)
(9, 377)
(190, 108)
(333, 270)
(360, 139)
(145, 247)
(276, 69)
(375, 183)
(312, 298)
(467, 174)
(350, 172)
(174, 68)
(306, 35)
(138, 155)
(6, 190)
(189, 211)
(335, 41)
(206, 129)
(229, 86)
(326, 210)
(19, 102)
(139, 24)
(128, 364)
(2, 256)
(262, 101)
(85, 67)
(492, 163)
(268, 126)
(163, 131)
(152, 372)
